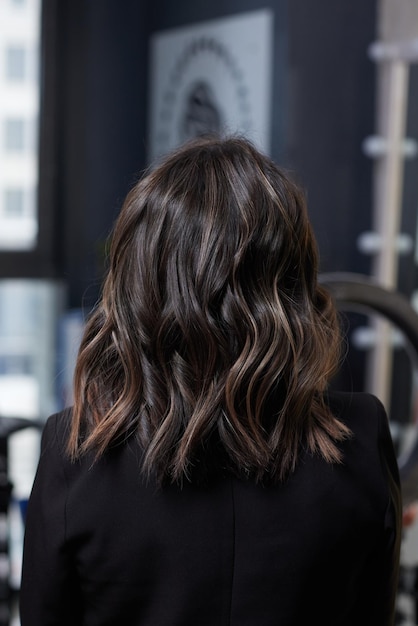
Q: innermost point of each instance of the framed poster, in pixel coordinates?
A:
(211, 76)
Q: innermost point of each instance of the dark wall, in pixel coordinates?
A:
(408, 265)
(95, 91)
(331, 105)
(97, 95)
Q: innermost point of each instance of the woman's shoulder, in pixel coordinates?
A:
(358, 410)
(370, 446)
(56, 430)
(350, 398)
(365, 416)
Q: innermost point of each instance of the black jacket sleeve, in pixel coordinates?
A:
(48, 595)
(393, 518)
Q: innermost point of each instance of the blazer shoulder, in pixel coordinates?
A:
(370, 447)
(56, 430)
(359, 410)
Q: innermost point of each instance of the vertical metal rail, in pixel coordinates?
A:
(396, 49)
(388, 181)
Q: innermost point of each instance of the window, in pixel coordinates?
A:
(16, 364)
(19, 225)
(14, 135)
(15, 63)
(20, 235)
(14, 203)
(30, 301)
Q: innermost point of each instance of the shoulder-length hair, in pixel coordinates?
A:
(211, 311)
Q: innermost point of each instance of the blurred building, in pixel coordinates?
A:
(19, 111)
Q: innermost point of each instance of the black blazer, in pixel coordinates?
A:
(103, 548)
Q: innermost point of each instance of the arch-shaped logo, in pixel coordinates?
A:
(207, 78)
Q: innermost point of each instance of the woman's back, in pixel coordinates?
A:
(321, 548)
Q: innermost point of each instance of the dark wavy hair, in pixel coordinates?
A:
(211, 313)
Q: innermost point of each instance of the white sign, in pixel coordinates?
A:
(213, 76)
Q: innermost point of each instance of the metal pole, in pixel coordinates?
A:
(395, 50)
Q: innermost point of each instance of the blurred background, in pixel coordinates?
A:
(92, 91)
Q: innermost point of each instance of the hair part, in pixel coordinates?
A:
(210, 312)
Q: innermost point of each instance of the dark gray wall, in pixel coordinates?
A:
(330, 112)
(95, 61)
